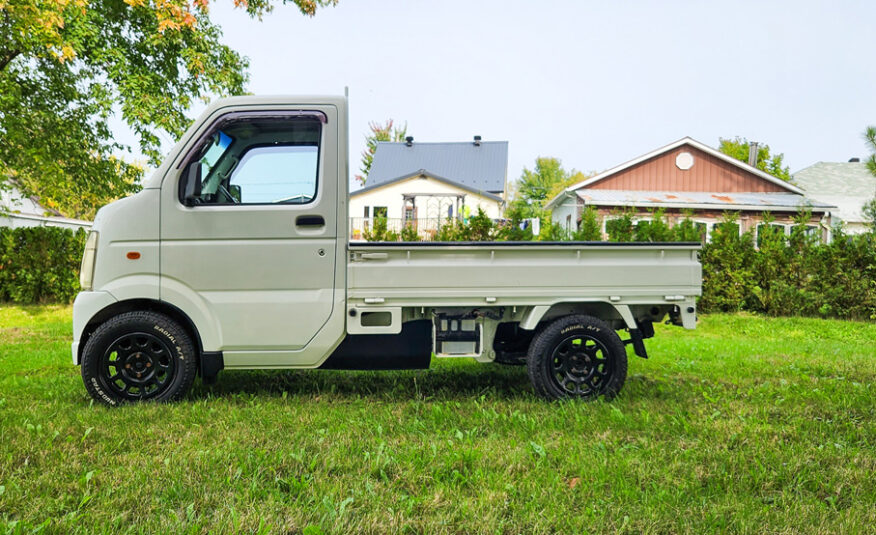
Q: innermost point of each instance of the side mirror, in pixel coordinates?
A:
(235, 192)
(192, 194)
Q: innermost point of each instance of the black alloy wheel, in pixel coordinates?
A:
(137, 366)
(577, 356)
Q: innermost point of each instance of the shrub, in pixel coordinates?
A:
(481, 227)
(40, 264)
(620, 228)
(728, 278)
(688, 230)
(409, 232)
(590, 228)
(655, 230)
(379, 231)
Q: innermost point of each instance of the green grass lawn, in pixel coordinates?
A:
(746, 425)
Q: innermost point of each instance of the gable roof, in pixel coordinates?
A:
(424, 173)
(483, 167)
(848, 185)
(672, 146)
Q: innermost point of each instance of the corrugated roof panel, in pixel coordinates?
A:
(482, 167)
(719, 199)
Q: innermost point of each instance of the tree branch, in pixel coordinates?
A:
(6, 56)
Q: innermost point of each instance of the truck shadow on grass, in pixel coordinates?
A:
(438, 383)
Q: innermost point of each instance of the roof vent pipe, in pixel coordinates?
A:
(752, 153)
(854, 160)
(409, 141)
(477, 141)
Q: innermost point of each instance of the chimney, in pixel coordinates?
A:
(477, 141)
(752, 153)
(854, 160)
(409, 141)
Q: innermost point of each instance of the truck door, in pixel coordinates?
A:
(249, 233)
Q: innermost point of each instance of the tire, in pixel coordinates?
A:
(138, 356)
(579, 357)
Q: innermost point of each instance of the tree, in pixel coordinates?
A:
(739, 147)
(538, 186)
(590, 228)
(379, 132)
(68, 66)
(870, 206)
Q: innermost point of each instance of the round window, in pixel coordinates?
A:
(684, 161)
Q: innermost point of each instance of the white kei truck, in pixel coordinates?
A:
(235, 255)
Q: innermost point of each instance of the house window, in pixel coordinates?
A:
(702, 230)
(764, 229)
(367, 212)
(380, 212)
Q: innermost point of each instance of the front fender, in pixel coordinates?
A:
(85, 307)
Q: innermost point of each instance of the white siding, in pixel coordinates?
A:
(391, 196)
(566, 215)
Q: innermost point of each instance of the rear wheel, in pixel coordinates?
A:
(577, 357)
(138, 356)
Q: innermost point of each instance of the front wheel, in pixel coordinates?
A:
(577, 356)
(138, 356)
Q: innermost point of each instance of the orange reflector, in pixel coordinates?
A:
(133, 255)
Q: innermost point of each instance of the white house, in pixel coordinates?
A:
(16, 210)
(424, 184)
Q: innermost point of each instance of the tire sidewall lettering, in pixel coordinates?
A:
(579, 327)
(101, 393)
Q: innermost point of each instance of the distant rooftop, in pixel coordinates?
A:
(847, 185)
(481, 167)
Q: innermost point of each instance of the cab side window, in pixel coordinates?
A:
(255, 161)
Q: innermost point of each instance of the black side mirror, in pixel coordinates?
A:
(192, 194)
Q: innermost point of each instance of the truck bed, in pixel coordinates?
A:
(521, 273)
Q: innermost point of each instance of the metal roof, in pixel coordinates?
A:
(482, 167)
(847, 185)
(700, 199)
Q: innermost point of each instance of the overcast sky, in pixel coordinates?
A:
(594, 83)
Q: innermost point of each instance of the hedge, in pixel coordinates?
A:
(40, 264)
(781, 275)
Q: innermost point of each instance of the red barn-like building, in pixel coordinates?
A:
(688, 177)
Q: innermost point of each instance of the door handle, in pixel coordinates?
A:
(309, 221)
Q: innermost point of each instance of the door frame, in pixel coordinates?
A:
(190, 303)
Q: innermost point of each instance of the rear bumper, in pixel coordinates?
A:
(85, 307)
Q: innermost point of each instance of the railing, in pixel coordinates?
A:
(426, 227)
